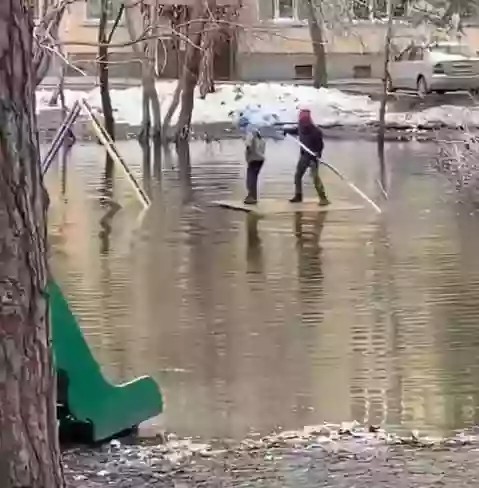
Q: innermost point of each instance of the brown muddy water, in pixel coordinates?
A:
(253, 324)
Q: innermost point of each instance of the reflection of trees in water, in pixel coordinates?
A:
(65, 153)
(211, 315)
(112, 207)
(254, 248)
(168, 157)
(382, 180)
(458, 318)
(184, 170)
(108, 285)
(376, 386)
(208, 305)
(396, 375)
(157, 159)
(146, 149)
(307, 230)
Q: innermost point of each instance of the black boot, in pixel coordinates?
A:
(250, 200)
(298, 198)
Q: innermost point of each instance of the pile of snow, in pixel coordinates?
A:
(267, 103)
(451, 116)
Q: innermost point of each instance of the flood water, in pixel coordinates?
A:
(252, 324)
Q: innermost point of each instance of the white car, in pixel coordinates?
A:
(437, 68)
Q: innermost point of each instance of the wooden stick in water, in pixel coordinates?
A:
(109, 146)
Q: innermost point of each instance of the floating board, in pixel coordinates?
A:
(271, 206)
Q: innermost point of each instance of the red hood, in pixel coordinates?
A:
(305, 118)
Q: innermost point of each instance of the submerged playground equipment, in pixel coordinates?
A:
(89, 407)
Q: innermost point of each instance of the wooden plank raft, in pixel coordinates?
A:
(272, 206)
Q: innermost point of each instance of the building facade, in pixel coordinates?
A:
(272, 42)
(276, 44)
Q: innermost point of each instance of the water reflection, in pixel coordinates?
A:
(64, 161)
(147, 151)
(254, 248)
(287, 320)
(382, 180)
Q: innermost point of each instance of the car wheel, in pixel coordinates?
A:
(422, 89)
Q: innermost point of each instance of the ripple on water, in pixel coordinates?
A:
(283, 321)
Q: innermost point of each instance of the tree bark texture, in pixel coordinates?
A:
(149, 75)
(103, 76)
(144, 135)
(387, 51)
(147, 70)
(181, 17)
(320, 74)
(206, 73)
(29, 451)
(201, 12)
(175, 101)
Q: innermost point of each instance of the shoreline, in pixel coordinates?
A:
(211, 132)
(369, 454)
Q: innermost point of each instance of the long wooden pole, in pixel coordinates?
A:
(110, 147)
(60, 136)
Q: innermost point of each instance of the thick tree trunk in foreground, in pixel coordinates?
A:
(320, 75)
(29, 451)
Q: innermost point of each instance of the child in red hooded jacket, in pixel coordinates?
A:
(310, 136)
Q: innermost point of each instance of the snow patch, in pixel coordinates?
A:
(267, 103)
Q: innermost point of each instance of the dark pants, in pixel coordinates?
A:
(252, 178)
(306, 161)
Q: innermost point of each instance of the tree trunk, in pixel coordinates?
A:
(147, 70)
(320, 75)
(171, 110)
(192, 66)
(47, 37)
(106, 105)
(146, 150)
(384, 98)
(150, 88)
(59, 66)
(150, 100)
(29, 450)
(184, 169)
(144, 136)
(149, 79)
(206, 73)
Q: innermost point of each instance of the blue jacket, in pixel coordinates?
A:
(311, 136)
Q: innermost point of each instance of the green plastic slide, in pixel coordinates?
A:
(85, 397)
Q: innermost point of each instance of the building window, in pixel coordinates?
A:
(401, 9)
(282, 9)
(93, 9)
(285, 9)
(36, 8)
(378, 9)
(297, 10)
